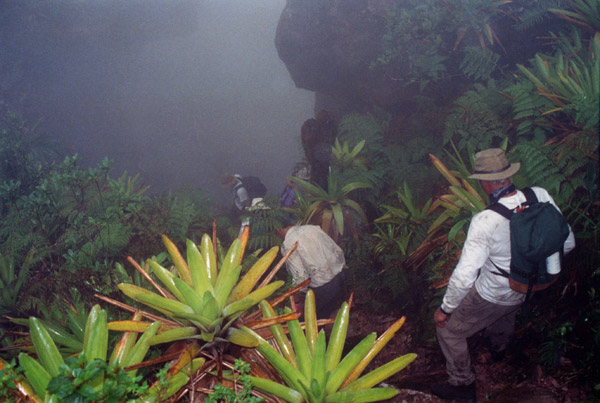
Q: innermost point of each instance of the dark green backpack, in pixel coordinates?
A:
(537, 231)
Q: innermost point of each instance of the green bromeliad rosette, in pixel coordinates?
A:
(52, 379)
(313, 369)
(202, 297)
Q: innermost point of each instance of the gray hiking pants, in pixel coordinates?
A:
(472, 315)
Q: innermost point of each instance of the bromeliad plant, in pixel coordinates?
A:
(344, 158)
(570, 82)
(314, 371)
(68, 334)
(92, 375)
(463, 201)
(204, 296)
(332, 209)
(12, 279)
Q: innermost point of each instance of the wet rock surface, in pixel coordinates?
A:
(328, 48)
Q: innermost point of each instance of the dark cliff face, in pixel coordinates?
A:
(328, 48)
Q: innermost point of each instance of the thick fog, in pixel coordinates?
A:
(210, 97)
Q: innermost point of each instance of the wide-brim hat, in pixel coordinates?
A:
(491, 165)
(228, 180)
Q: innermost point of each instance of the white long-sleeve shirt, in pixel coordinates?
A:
(488, 244)
(317, 257)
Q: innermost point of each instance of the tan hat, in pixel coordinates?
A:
(491, 165)
(228, 180)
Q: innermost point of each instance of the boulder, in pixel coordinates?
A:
(329, 46)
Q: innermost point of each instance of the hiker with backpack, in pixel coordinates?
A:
(503, 260)
(247, 191)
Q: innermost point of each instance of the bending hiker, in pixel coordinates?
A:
(319, 258)
(479, 296)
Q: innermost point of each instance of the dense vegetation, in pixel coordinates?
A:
(67, 231)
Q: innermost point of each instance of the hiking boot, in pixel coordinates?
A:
(454, 392)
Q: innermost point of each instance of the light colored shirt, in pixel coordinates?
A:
(488, 244)
(240, 194)
(317, 257)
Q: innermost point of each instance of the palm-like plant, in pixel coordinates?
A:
(332, 209)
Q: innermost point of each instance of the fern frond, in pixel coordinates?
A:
(478, 63)
(536, 13)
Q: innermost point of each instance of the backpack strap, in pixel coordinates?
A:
(500, 272)
(530, 196)
(508, 213)
(239, 184)
(501, 209)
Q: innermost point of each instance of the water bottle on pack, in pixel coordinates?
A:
(553, 263)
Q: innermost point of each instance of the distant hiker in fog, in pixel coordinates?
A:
(288, 196)
(479, 295)
(241, 198)
(248, 193)
(319, 258)
(318, 136)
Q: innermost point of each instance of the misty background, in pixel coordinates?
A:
(177, 91)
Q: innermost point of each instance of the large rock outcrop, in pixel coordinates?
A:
(329, 46)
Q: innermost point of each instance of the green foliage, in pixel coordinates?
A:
(22, 148)
(557, 174)
(527, 111)
(570, 81)
(476, 118)
(343, 158)
(478, 63)
(63, 218)
(12, 281)
(207, 293)
(550, 350)
(421, 35)
(312, 366)
(263, 223)
(413, 42)
(176, 214)
(77, 380)
(585, 13)
(332, 209)
(372, 166)
(75, 217)
(240, 377)
(94, 375)
(473, 17)
(387, 161)
(9, 373)
(403, 226)
(535, 13)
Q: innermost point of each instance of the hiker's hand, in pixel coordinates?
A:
(440, 318)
